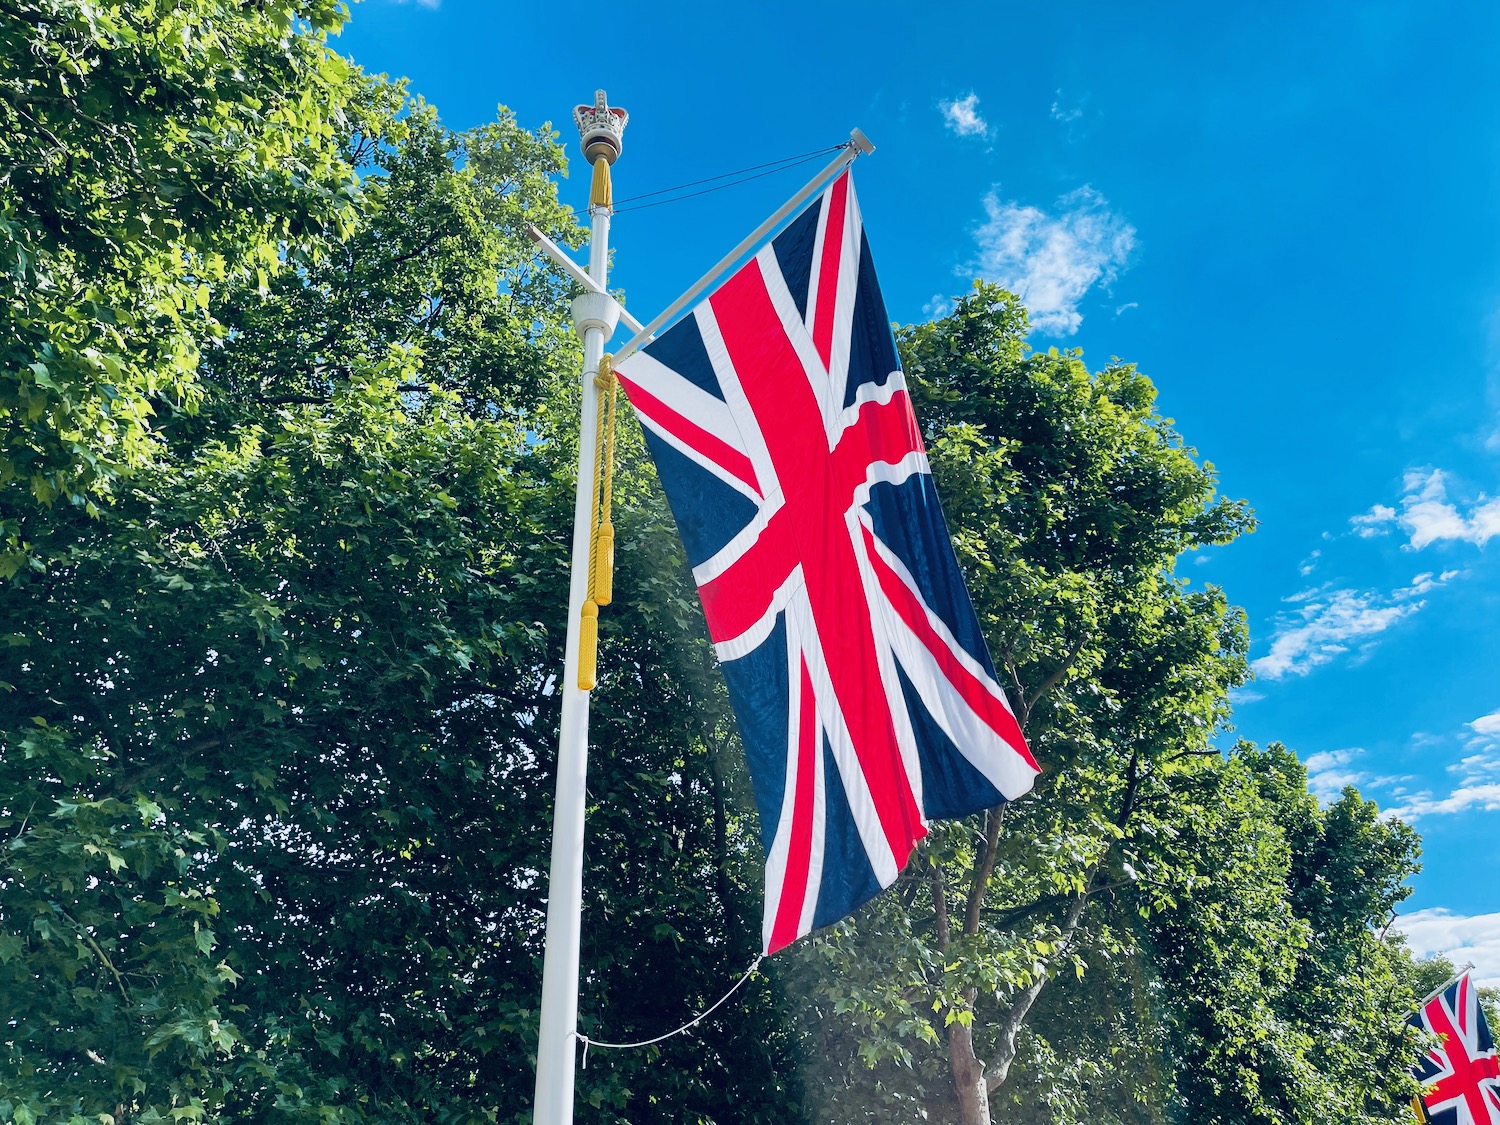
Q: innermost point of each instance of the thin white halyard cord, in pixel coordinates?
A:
(587, 1042)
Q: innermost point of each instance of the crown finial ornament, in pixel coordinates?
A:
(600, 126)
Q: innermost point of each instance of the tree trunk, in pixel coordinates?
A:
(968, 1076)
(969, 1086)
(1010, 1027)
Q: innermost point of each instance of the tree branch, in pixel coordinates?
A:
(126, 782)
(1127, 806)
(1010, 1024)
(940, 904)
(1059, 672)
(982, 869)
(99, 953)
(1015, 679)
(292, 400)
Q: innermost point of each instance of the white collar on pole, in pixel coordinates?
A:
(857, 145)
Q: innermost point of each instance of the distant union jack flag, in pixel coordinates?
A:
(867, 703)
(1461, 1076)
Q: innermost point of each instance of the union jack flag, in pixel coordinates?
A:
(1461, 1076)
(783, 433)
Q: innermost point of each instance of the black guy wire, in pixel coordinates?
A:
(773, 167)
(721, 187)
(788, 160)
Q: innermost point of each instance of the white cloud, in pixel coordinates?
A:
(1066, 114)
(1328, 623)
(1326, 759)
(1461, 938)
(939, 306)
(1477, 769)
(962, 115)
(1483, 762)
(1428, 516)
(1477, 775)
(1375, 522)
(1068, 111)
(1051, 261)
(1425, 583)
(1328, 772)
(1488, 725)
(1482, 798)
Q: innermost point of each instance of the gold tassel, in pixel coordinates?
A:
(588, 647)
(604, 564)
(600, 193)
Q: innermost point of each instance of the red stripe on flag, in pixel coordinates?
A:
(795, 876)
(828, 273)
(973, 691)
(741, 595)
(691, 434)
(883, 433)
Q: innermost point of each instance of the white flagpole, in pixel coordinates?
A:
(595, 315)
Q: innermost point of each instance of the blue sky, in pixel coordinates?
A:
(1286, 215)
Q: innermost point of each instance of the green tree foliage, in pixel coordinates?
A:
(279, 718)
(150, 153)
(1153, 927)
(1211, 1014)
(438, 267)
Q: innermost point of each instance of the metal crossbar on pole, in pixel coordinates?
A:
(569, 267)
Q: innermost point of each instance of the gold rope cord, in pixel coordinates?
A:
(602, 530)
(604, 535)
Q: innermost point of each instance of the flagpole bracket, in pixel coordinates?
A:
(595, 310)
(571, 268)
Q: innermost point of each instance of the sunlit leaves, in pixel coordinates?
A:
(152, 154)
